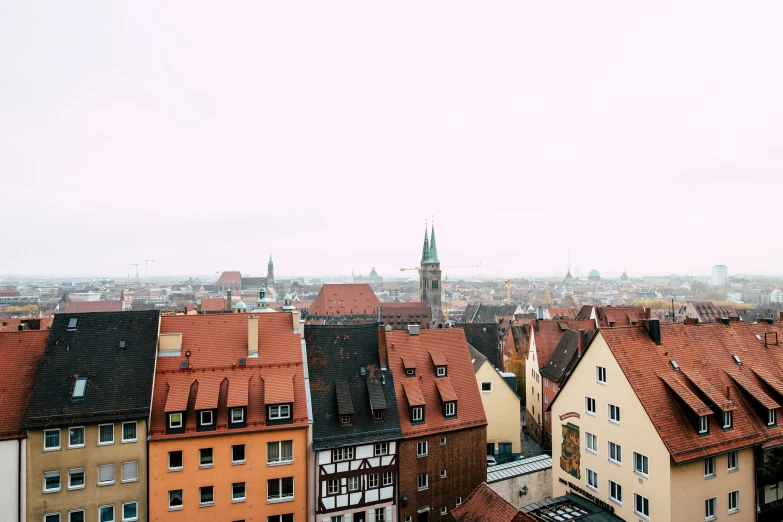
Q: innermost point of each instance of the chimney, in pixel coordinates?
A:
(654, 329)
(540, 313)
(580, 342)
(228, 293)
(295, 319)
(781, 316)
(414, 329)
(725, 321)
(252, 336)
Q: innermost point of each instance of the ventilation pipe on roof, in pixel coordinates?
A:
(252, 336)
(228, 305)
(654, 329)
(540, 312)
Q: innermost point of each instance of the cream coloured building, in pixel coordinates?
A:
(658, 423)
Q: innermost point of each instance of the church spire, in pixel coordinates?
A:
(425, 253)
(433, 257)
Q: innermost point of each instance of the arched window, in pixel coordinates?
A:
(435, 285)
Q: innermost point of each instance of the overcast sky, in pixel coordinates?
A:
(206, 135)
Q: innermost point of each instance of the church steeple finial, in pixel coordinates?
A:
(425, 253)
(433, 257)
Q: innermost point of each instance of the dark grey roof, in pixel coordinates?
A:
(348, 354)
(477, 356)
(485, 338)
(754, 315)
(119, 380)
(563, 358)
(344, 403)
(575, 507)
(518, 468)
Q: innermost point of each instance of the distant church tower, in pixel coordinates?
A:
(270, 273)
(429, 277)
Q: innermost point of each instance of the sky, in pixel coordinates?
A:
(205, 136)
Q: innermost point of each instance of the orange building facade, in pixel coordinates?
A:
(229, 428)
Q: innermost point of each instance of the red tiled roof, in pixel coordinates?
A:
(704, 353)
(408, 362)
(452, 344)
(229, 279)
(687, 396)
(20, 353)
(212, 304)
(216, 343)
(350, 299)
(445, 390)
(484, 505)
(93, 306)
(438, 359)
(413, 393)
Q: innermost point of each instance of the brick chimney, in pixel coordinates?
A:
(654, 329)
(580, 342)
(252, 336)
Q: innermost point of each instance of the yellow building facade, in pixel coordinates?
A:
(502, 408)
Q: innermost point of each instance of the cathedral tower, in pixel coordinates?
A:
(430, 277)
(270, 273)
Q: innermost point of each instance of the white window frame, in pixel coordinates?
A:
(410, 372)
(182, 459)
(589, 401)
(618, 452)
(644, 471)
(600, 375)
(614, 414)
(342, 454)
(704, 425)
(772, 418)
(84, 437)
(113, 512)
(372, 481)
(74, 471)
(123, 440)
(387, 475)
(546, 383)
(736, 507)
(643, 499)
(241, 415)
(333, 487)
(82, 391)
(182, 498)
(444, 510)
(591, 484)
(58, 515)
(443, 473)
(49, 474)
(201, 415)
(423, 444)
(443, 441)
(381, 448)
(459, 500)
(209, 464)
(243, 498)
(281, 498)
(594, 449)
(417, 413)
(425, 482)
(130, 519)
(280, 461)
(440, 371)
(451, 409)
(380, 515)
(122, 472)
(614, 489)
(181, 420)
(72, 511)
(710, 508)
(99, 434)
(709, 467)
(728, 420)
(113, 475)
(59, 441)
(729, 455)
(488, 390)
(240, 461)
(280, 411)
(202, 503)
(554, 387)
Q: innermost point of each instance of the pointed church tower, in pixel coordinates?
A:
(430, 278)
(270, 273)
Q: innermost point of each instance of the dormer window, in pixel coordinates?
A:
(727, 420)
(346, 419)
(377, 414)
(237, 415)
(175, 420)
(417, 414)
(72, 322)
(772, 417)
(79, 388)
(279, 411)
(450, 409)
(704, 426)
(440, 371)
(207, 418)
(410, 372)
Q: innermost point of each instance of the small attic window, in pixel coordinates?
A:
(72, 322)
(484, 329)
(79, 387)
(440, 371)
(123, 344)
(346, 419)
(410, 372)
(674, 364)
(736, 359)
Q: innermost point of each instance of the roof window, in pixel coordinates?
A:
(736, 359)
(79, 388)
(72, 322)
(123, 344)
(674, 364)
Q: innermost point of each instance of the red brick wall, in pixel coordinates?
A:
(464, 459)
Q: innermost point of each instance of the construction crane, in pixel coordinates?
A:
(137, 268)
(146, 269)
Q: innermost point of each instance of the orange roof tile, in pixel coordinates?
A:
(278, 387)
(445, 390)
(723, 403)
(690, 398)
(237, 391)
(438, 359)
(177, 397)
(408, 361)
(21, 354)
(208, 390)
(485, 505)
(754, 391)
(351, 299)
(413, 393)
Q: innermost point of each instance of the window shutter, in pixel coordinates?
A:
(388, 513)
(348, 517)
(130, 471)
(371, 515)
(327, 519)
(106, 473)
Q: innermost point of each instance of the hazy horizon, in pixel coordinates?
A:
(634, 136)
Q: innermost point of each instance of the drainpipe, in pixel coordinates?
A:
(22, 480)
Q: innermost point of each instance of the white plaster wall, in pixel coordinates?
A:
(539, 487)
(9, 480)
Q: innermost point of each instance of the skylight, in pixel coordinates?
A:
(122, 344)
(674, 364)
(72, 323)
(79, 387)
(736, 359)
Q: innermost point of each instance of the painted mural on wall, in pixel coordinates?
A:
(570, 453)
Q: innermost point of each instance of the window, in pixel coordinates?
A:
(709, 467)
(280, 490)
(379, 515)
(459, 500)
(771, 420)
(338, 518)
(600, 375)
(206, 418)
(387, 478)
(237, 415)
(443, 473)
(333, 487)
(123, 344)
(615, 492)
(709, 508)
(641, 464)
(546, 382)
(105, 474)
(704, 425)
(734, 501)
(72, 322)
(372, 480)
(727, 420)
(377, 414)
(77, 515)
(76, 437)
(422, 448)
(288, 517)
(554, 387)
(443, 441)
(451, 409)
(175, 499)
(205, 458)
(282, 411)
(281, 452)
(546, 416)
(417, 413)
(410, 372)
(486, 387)
(105, 434)
(52, 441)
(238, 492)
(733, 460)
(422, 482)
(175, 420)
(615, 453)
(342, 454)
(79, 388)
(353, 483)
(130, 511)
(238, 454)
(590, 405)
(345, 419)
(614, 413)
(51, 481)
(206, 495)
(52, 517)
(440, 371)
(641, 506)
(546, 399)
(129, 432)
(76, 478)
(130, 471)
(175, 460)
(443, 510)
(435, 285)
(381, 448)
(592, 479)
(591, 443)
(106, 514)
